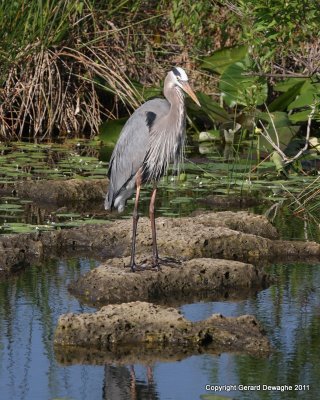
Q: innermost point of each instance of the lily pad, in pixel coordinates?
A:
(6, 207)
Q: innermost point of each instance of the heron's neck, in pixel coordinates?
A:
(167, 137)
(177, 113)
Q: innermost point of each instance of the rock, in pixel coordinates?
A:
(241, 221)
(229, 235)
(61, 192)
(199, 278)
(18, 251)
(140, 325)
(223, 202)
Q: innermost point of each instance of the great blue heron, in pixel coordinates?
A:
(151, 139)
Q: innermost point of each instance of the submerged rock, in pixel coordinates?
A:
(199, 278)
(241, 221)
(140, 325)
(61, 192)
(223, 202)
(227, 235)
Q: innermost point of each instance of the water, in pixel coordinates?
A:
(205, 174)
(31, 302)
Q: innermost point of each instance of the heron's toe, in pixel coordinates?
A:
(170, 261)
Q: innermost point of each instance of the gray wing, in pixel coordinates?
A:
(130, 150)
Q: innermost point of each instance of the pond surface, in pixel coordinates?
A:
(31, 302)
(208, 171)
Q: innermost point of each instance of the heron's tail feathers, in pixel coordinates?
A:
(118, 198)
(109, 199)
(107, 204)
(117, 202)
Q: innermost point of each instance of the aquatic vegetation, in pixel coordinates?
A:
(203, 176)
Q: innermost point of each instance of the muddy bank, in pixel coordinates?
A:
(59, 192)
(226, 235)
(144, 324)
(199, 278)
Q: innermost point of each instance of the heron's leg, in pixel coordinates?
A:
(155, 257)
(135, 217)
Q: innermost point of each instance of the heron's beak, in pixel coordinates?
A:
(186, 87)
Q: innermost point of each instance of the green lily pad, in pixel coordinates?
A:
(8, 206)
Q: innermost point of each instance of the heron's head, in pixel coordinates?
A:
(178, 77)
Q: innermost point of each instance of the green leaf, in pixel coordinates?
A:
(7, 207)
(282, 102)
(278, 162)
(280, 119)
(287, 84)
(308, 93)
(239, 88)
(68, 215)
(209, 107)
(299, 116)
(221, 59)
(285, 134)
(16, 227)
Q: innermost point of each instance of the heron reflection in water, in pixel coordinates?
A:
(152, 138)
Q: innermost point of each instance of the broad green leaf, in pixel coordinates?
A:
(283, 127)
(282, 102)
(299, 116)
(287, 84)
(210, 107)
(285, 134)
(221, 59)
(239, 88)
(280, 119)
(309, 92)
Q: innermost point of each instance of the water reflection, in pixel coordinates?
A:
(123, 383)
(31, 302)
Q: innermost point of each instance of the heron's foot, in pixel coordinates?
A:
(156, 264)
(169, 261)
(141, 267)
(137, 267)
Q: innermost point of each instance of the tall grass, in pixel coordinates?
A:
(65, 64)
(54, 57)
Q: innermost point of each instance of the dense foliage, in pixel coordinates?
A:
(67, 65)
(283, 35)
